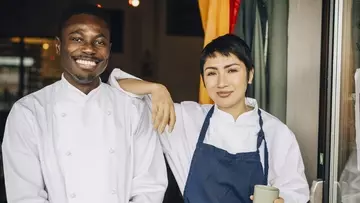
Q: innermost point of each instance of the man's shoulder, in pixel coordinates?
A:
(38, 98)
(32, 105)
(134, 110)
(119, 96)
(112, 91)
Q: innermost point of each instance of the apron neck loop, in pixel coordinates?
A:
(205, 125)
(260, 138)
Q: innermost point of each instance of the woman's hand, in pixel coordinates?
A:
(163, 111)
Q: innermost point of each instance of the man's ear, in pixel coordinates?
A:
(57, 45)
(110, 50)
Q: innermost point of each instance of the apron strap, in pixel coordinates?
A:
(205, 125)
(261, 137)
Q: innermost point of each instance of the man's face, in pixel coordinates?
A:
(84, 47)
(226, 80)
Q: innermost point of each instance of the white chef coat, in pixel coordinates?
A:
(286, 168)
(61, 145)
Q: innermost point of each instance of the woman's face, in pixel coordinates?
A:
(226, 80)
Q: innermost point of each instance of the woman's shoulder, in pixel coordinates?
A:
(274, 126)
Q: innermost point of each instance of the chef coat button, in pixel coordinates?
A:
(109, 113)
(63, 114)
(113, 191)
(68, 153)
(111, 150)
(72, 195)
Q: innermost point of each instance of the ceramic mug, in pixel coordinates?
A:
(265, 194)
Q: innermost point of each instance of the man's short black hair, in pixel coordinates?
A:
(226, 45)
(84, 8)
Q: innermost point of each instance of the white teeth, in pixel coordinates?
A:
(85, 62)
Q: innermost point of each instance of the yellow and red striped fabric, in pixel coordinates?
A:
(218, 18)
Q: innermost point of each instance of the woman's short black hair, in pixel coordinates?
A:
(226, 45)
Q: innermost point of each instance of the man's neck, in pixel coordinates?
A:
(85, 88)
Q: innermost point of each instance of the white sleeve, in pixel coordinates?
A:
(289, 171)
(118, 74)
(180, 144)
(150, 175)
(22, 171)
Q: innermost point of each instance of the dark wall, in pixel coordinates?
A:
(28, 18)
(37, 18)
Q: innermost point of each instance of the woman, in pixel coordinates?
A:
(219, 152)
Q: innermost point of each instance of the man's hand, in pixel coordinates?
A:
(163, 112)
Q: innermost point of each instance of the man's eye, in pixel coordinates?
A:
(76, 39)
(100, 43)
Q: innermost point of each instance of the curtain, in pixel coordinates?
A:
(215, 20)
(258, 53)
(277, 57)
(234, 10)
(263, 26)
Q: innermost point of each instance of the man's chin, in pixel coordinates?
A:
(83, 77)
(85, 80)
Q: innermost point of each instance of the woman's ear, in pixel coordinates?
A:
(251, 76)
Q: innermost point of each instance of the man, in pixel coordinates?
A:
(79, 140)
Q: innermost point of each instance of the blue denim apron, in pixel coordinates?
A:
(217, 176)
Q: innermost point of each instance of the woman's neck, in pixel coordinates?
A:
(237, 109)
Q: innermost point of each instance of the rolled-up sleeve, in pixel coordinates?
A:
(150, 176)
(23, 177)
(118, 74)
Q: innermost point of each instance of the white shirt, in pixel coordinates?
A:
(286, 168)
(61, 145)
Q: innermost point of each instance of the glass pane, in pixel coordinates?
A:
(9, 87)
(43, 67)
(9, 73)
(40, 67)
(348, 174)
